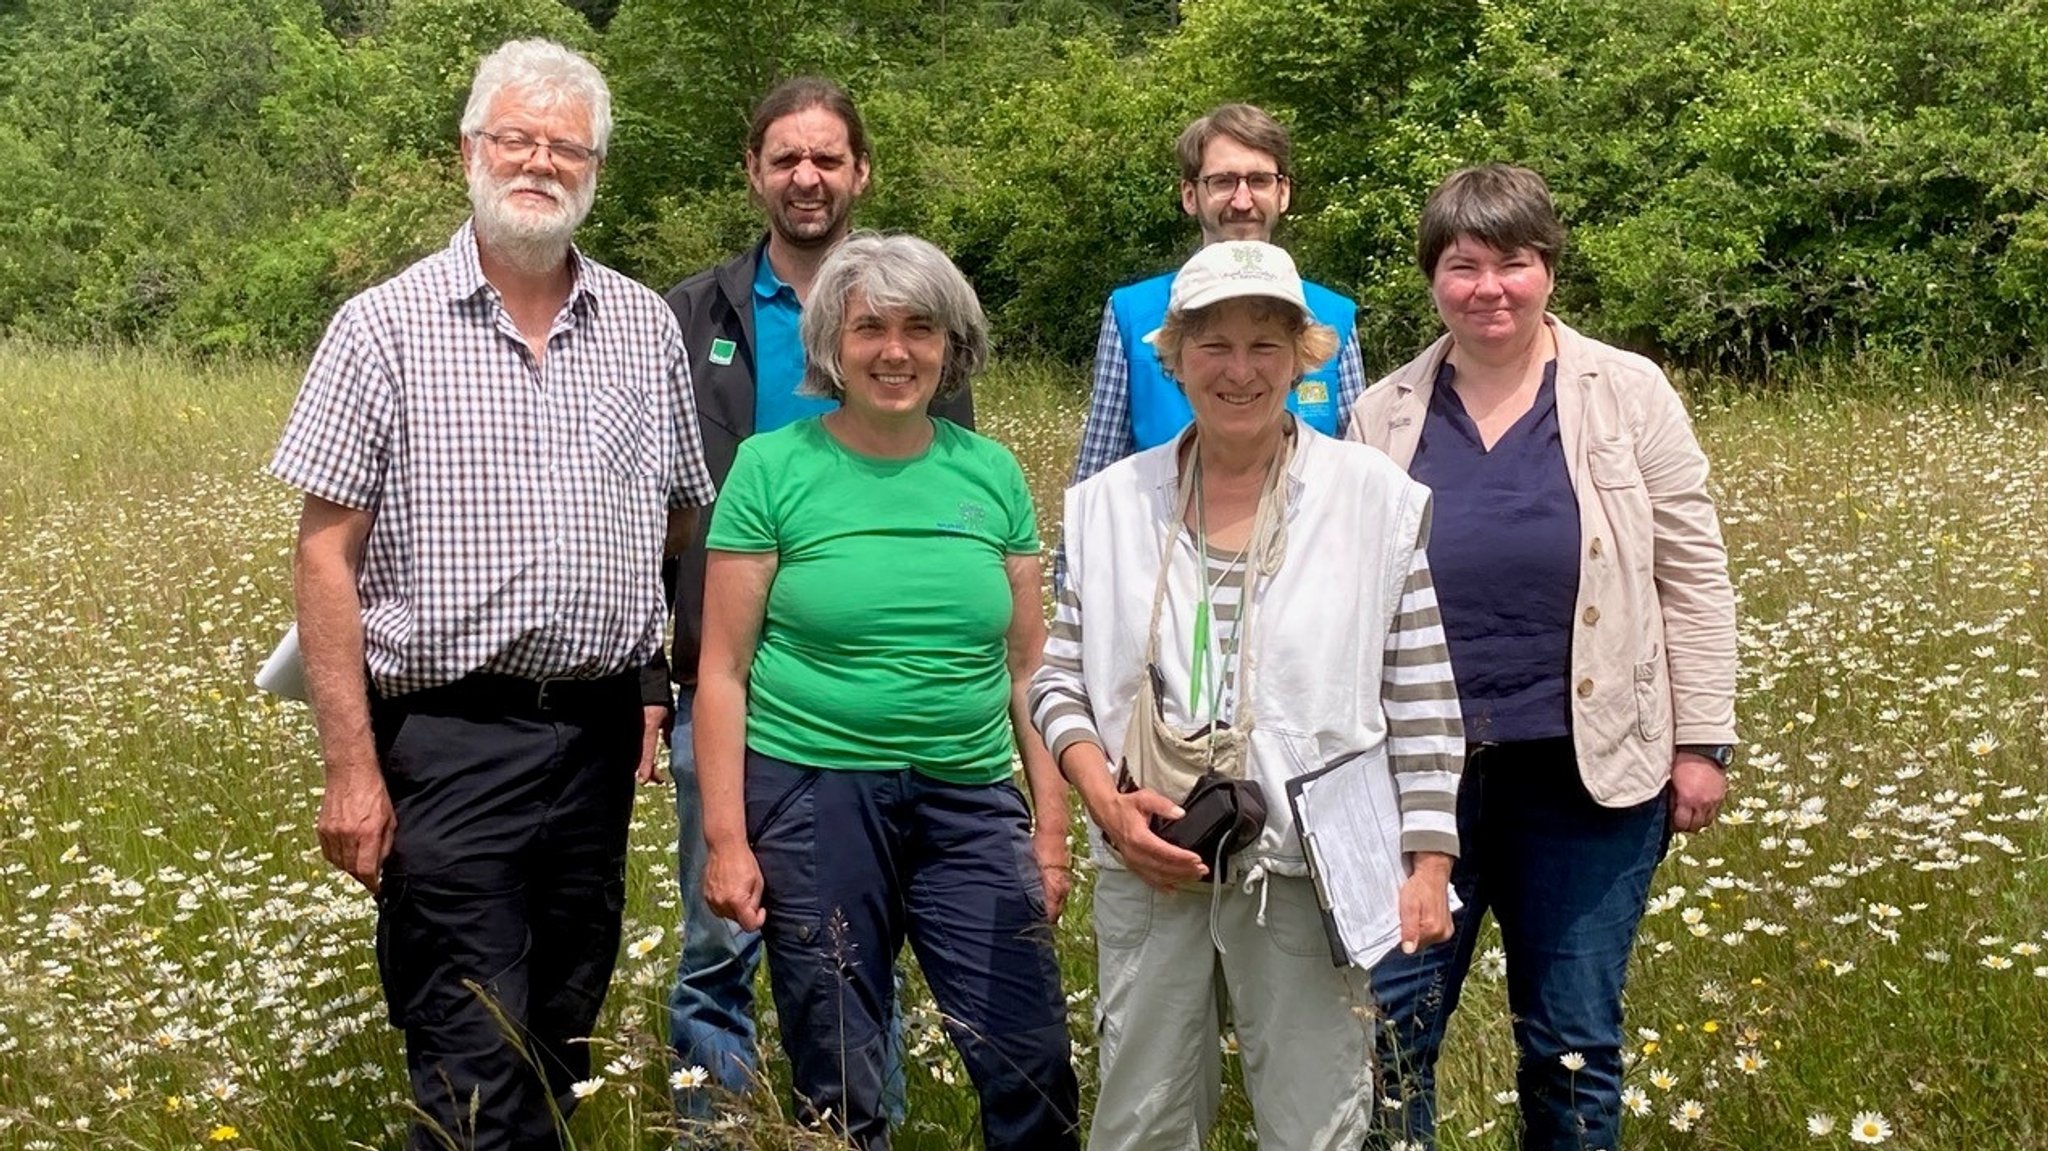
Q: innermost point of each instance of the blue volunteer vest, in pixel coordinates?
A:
(1158, 409)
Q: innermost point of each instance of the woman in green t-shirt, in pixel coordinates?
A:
(871, 621)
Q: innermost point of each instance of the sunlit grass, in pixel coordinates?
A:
(1864, 933)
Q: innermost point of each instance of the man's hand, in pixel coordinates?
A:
(653, 725)
(1697, 788)
(1055, 867)
(1126, 821)
(356, 824)
(733, 886)
(1425, 902)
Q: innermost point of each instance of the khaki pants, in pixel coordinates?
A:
(1304, 1025)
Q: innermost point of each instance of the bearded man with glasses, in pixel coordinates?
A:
(496, 446)
(1235, 182)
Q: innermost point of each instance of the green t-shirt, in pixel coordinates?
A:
(882, 645)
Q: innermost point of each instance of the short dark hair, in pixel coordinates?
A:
(1248, 124)
(1504, 207)
(798, 94)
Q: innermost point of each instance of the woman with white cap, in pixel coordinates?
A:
(1247, 604)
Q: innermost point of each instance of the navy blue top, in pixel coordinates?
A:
(1504, 553)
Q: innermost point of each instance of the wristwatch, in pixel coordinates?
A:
(1722, 754)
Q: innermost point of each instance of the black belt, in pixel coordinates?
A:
(483, 693)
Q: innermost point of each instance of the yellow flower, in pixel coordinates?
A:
(1710, 1026)
(222, 1134)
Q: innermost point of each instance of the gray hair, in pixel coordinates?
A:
(552, 74)
(896, 273)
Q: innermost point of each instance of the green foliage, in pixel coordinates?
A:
(1746, 180)
(1062, 188)
(690, 231)
(684, 75)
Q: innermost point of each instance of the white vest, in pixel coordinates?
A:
(1318, 638)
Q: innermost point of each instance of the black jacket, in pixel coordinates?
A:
(718, 303)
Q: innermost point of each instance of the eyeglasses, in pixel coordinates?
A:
(516, 147)
(1222, 184)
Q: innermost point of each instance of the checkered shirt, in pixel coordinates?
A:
(519, 508)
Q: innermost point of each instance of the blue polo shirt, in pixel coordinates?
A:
(1504, 554)
(779, 354)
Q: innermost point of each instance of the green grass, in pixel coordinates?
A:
(176, 961)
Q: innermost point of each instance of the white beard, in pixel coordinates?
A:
(532, 239)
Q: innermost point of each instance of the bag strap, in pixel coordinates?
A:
(1266, 549)
(1264, 553)
(1173, 525)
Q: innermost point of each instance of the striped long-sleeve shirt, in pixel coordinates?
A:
(1425, 730)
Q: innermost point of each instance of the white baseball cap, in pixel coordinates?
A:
(1232, 269)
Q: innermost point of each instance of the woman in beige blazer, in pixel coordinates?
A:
(1584, 591)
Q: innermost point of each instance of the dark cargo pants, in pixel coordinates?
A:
(856, 862)
(498, 918)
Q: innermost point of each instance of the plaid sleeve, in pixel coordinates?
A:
(1425, 726)
(1350, 379)
(1106, 436)
(337, 441)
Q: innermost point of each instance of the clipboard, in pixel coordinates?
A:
(1332, 933)
(1329, 806)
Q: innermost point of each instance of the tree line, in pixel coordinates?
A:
(1746, 180)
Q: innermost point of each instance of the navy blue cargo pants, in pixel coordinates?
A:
(856, 862)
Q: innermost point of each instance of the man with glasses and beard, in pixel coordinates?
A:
(806, 163)
(1234, 181)
(496, 447)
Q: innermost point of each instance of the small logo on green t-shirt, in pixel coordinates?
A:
(973, 518)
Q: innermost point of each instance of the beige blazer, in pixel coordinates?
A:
(1653, 649)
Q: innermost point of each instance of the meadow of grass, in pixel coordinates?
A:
(1863, 932)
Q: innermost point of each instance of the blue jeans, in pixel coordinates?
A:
(856, 863)
(1567, 880)
(711, 1005)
